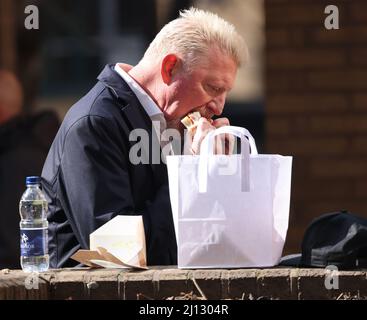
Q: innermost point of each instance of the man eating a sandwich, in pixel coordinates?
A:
(181, 82)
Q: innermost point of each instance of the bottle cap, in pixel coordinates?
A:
(32, 180)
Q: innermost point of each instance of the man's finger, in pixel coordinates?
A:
(218, 145)
(220, 122)
(229, 143)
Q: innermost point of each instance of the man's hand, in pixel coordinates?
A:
(223, 143)
(203, 128)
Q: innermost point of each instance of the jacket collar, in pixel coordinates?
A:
(126, 98)
(112, 80)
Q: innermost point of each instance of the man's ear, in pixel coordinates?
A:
(170, 64)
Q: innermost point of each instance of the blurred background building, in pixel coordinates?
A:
(59, 62)
(302, 94)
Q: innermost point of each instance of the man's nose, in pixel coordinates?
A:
(218, 104)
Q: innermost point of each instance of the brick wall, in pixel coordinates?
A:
(316, 106)
(161, 283)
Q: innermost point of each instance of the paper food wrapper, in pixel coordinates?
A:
(120, 243)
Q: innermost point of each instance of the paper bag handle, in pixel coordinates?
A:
(237, 131)
(207, 147)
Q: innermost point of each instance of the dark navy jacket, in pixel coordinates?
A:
(88, 178)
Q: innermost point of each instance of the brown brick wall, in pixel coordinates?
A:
(172, 283)
(316, 106)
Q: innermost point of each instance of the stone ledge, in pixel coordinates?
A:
(173, 283)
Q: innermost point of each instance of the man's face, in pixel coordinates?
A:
(204, 89)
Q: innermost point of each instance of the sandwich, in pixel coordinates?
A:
(191, 121)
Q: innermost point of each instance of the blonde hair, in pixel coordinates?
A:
(193, 34)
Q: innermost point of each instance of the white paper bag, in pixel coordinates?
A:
(230, 210)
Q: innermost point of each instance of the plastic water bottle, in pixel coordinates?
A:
(33, 228)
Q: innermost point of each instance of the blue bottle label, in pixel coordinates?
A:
(33, 242)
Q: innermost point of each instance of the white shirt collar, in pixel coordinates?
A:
(146, 101)
(150, 107)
